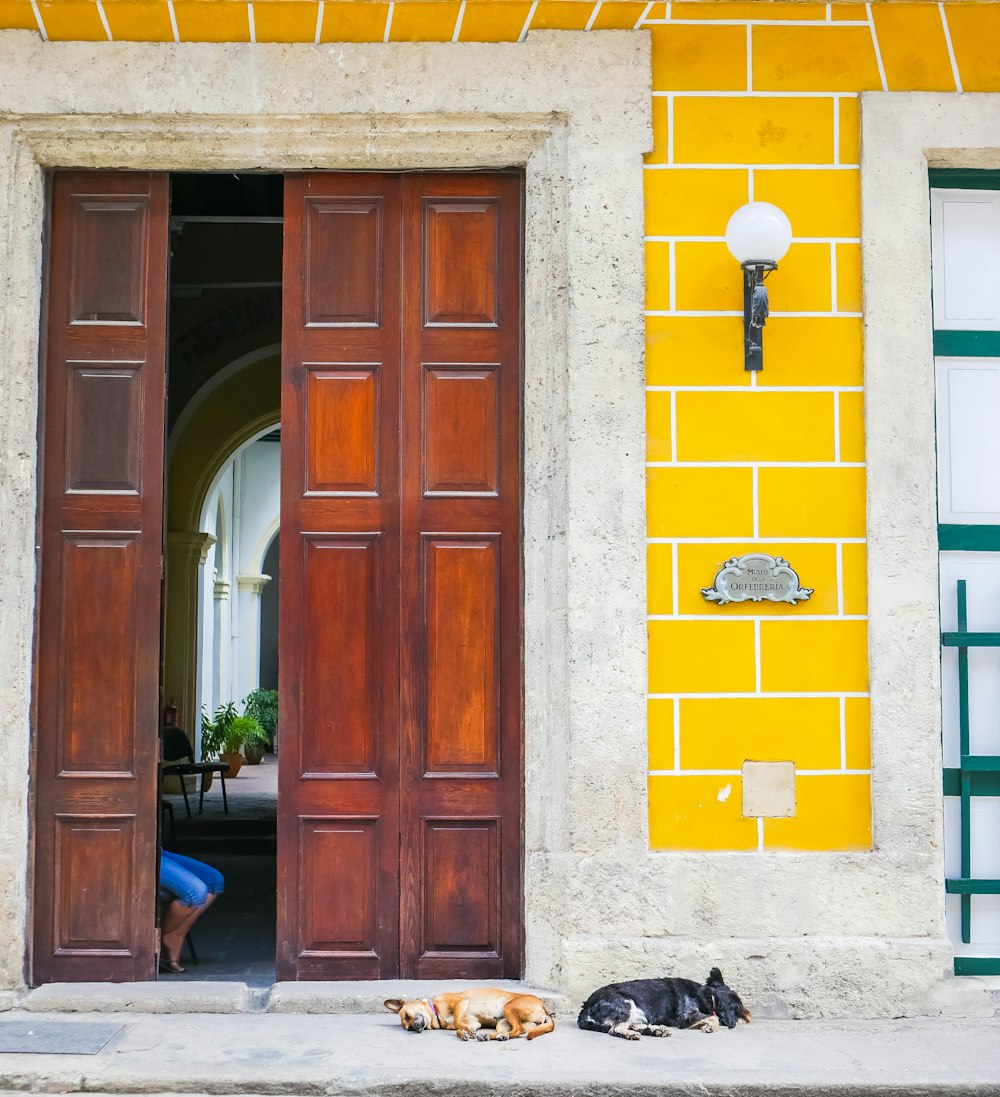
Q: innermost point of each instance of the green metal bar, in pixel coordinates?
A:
(964, 178)
(966, 826)
(981, 763)
(977, 965)
(963, 738)
(983, 783)
(970, 639)
(953, 538)
(949, 343)
(972, 887)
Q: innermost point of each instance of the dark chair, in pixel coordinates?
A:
(167, 816)
(177, 745)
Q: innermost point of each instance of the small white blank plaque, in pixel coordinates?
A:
(768, 790)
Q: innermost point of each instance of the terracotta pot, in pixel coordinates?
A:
(235, 763)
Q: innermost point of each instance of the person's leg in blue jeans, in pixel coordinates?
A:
(195, 886)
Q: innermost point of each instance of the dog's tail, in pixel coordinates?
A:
(548, 1026)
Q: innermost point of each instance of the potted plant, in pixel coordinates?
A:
(254, 738)
(225, 734)
(262, 705)
(214, 730)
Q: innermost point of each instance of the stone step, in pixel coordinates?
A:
(199, 996)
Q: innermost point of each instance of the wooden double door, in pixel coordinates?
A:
(399, 804)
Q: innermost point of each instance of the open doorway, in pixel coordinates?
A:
(222, 510)
(393, 362)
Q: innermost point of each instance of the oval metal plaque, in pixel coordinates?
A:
(756, 577)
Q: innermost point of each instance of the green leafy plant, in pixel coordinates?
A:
(242, 731)
(262, 705)
(216, 730)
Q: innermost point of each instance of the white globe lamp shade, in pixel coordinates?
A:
(758, 231)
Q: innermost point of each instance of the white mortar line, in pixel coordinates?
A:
(104, 20)
(951, 50)
(836, 129)
(878, 52)
(673, 426)
(756, 655)
(739, 772)
(722, 239)
(695, 773)
(736, 312)
(677, 734)
(776, 694)
(733, 165)
(755, 540)
(843, 733)
(703, 93)
(251, 23)
(751, 183)
(41, 23)
(458, 22)
(675, 589)
(829, 13)
(319, 22)
(749, 59)
(758, 617)
(590, 21)
(840, 580)
(527, 20)
(742, 388)
(755, 22)
(831, 772)
(836, 426)
(173, 20)
(760, 834)
(672, 259)
(670, 129)
(833, 277)
(388, 21)
(755, 464)
(648, 8)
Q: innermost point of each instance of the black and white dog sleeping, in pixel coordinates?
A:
(651, 1007)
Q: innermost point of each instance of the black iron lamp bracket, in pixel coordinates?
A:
(755, 311)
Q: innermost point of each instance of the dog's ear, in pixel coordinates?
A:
(395, 1004)
(715, 978)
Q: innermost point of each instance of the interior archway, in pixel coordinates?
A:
(235, 411)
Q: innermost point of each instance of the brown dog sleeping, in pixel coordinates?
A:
(507, 1014)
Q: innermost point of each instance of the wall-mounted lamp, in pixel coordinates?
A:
(758, 235)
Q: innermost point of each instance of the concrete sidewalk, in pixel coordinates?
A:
(370, 1054)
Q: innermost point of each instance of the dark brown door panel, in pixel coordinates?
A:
(103, 382)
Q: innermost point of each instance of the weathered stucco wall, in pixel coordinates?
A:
(286, 108)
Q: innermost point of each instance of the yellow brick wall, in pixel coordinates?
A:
(751, 100)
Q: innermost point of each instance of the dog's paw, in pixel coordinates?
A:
(707, 1024)
(482, 1036)
(465, 1034)
(659, 1030)
(501, 1036)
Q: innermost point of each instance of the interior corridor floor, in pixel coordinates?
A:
(236, 938)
